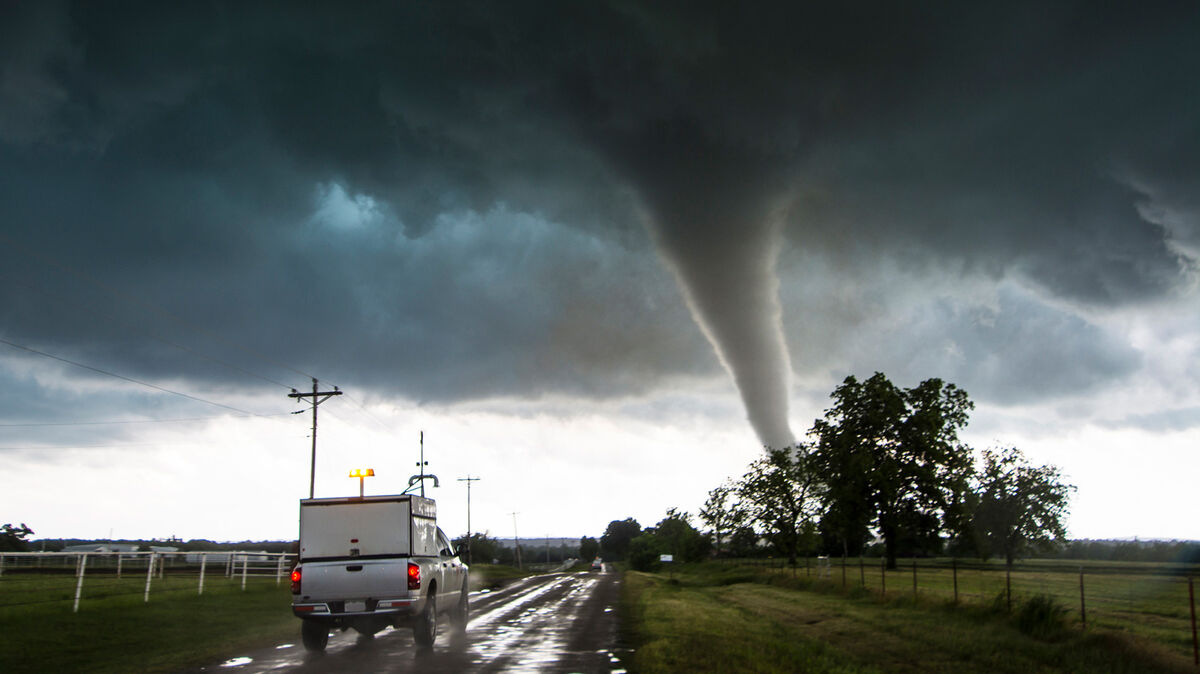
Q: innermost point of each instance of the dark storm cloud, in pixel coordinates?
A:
(447, 201)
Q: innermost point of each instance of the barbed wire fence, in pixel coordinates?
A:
(1160, 597)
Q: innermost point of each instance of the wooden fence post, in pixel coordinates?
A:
(203, 564)
(954, 566)
(149, 575)
(1008, 583)
(1082, 605)
(79, 583)
(1195, 643)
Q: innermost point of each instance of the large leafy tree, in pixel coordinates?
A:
(588, 548)
(781, 495)
(720, 513)
(677, 537)
(1019, 506)
(674, 535)
(892, 460)
(483, 549)
(614, 543)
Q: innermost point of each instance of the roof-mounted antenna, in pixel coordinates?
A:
(422, 476)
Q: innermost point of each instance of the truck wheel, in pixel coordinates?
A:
(425, 629)
(461, 612)
(314, 635)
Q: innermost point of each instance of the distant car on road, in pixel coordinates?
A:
(597, 565)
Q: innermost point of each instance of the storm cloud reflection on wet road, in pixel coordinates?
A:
(550, 623)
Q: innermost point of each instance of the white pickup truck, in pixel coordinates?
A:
(370, 562)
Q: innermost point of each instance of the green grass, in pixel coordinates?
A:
(1146, 600)
(115, 631)
(730, 618)
(491, 576)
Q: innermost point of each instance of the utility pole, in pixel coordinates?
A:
(517, 539)
(318, 397)
(468, 479)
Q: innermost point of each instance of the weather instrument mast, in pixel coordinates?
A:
(422, 476)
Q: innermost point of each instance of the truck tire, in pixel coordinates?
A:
(462, 612)
(315, 635)
(425, 629)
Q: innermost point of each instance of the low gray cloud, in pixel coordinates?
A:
(1169, 420)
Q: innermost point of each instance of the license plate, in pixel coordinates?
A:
(355, 606)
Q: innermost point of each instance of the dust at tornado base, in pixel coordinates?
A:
(550, 623)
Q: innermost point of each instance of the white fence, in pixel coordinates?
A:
(236, 566)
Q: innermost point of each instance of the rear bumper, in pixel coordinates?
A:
(336, 611)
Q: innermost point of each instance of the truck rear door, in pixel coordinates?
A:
(356, 580)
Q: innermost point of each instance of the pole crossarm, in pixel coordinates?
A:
(326, 395)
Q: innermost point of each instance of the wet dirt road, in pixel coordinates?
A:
(551, 623)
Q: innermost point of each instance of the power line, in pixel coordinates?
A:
(105, 446)
(151, 335)
(128, 379)
(134, 421)
(368, 413)
(145, 304)
(148, 306)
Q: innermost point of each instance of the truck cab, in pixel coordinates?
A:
(370, 562)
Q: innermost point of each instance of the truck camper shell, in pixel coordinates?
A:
(372, 527)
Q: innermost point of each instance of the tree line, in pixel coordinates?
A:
(883, 471)
(886, 464)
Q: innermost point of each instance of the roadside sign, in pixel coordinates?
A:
(666, 558)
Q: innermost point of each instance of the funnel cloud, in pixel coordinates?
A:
(715, 211)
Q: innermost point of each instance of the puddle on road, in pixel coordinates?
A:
(280, 647)
(237, 662)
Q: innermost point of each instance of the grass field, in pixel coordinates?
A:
(738, 618)
(116, 631)
(495, 575)
(1149, 600)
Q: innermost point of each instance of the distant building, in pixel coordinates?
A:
(102, 547)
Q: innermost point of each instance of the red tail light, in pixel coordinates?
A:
(414, 576)
(296, 580)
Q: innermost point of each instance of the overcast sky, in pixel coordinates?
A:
(600, 253)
